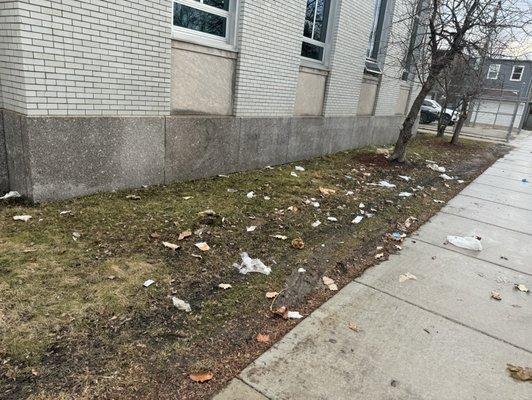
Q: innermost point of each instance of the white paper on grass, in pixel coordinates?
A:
(468, 242)
(405, 194)
(436, 167)
(251, 265)
(386, 184)
(293, 315)
(181, 305)
(10, 195)
(358, 219)
(405, 177)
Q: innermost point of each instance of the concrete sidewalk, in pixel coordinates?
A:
(438, 337)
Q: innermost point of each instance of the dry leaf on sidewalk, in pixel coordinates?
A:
(521, 287)
(520, 373)
(353, 326)
(201, 377)
(406, 277)
(496, 296)
(263, 338)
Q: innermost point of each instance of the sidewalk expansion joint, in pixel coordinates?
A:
(253, 388)
(445, 317)
(487, 223)
(494, 202)
(497, 187)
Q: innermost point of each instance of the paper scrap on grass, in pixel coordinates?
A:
(11, 195)
(24, 218)
(358, 219)
(387, 184)
(249, 265)
(181, 305)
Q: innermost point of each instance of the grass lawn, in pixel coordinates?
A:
(76, 321)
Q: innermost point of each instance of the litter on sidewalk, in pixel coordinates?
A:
(468, 243)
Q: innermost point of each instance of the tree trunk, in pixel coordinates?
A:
(441, 121)
(461, 121)
(399, 151)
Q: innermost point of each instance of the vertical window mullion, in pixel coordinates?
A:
(314, 21)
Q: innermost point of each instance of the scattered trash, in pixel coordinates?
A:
(24, 218)
(66, 212)
(132, 197)
(188, 197)
(358, 219)
(184, 235)
(76, 236)
(406, 277)
(171, 246)
(298, 244)
(496, 295)
(435, 167)
(384, 152)
(230, 190)
(405, 177)
(271, 295)
(439, 201)
(251, 228)
(332, 219)
(524, 180)
(280, 237)
(263, 338)
(353, 326)
(202, 246)
(327, 192)
(387, 184)
(293, 315)
(520, 373)
(468, 243)
(225, 286)
(361, 205)
(201, 377)
(460, 181)
(250, 195)
(294, 174)
(446, 177)
(405, 194)
(148, 283)
(397, 236)
(521, 287)
(301, 270)
(316, 224)
(267, 198)
(329, 283)
(181, 305)
(379, 256)
(11, 195)
(251, 265)
(300, 169)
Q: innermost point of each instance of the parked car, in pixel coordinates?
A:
(431, 111)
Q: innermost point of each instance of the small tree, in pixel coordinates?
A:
(450, 28)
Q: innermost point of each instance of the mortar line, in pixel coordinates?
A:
(497, 187)
(494, 202)
(252, 388)
(474, 258)
(487, 223)
(445, 317)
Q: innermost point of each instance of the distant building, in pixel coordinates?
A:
(508, 91)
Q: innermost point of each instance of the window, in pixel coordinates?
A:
(493, 71)
(517, 73)
(315, 30)
(376, 32)
(205, 20)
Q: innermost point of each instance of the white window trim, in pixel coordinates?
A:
(324, 63)
(520, 76)
(498, 72)
(206, 39)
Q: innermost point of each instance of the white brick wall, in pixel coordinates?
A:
(269, 36)
(348, 54)
(86, 57)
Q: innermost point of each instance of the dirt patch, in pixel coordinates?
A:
(76, 321)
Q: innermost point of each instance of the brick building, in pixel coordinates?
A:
(100, 95)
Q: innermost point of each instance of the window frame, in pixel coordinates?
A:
(207, 39)
(498, 66)
(520, 75)
(324, 62)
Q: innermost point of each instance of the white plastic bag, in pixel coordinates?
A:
(251, 265)
(468, 242)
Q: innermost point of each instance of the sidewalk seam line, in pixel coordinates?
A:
(445, 317)
(497, 187)
(487, 223)
(494, 202)
(468, 256)
(501, 177)
(252, 388)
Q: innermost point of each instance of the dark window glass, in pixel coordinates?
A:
(191, 18)
(312, 51)
(322, 18)
(309, 18)
(222, 4)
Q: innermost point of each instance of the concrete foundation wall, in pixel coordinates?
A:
(202, 79)
(4, 176)
(310, 92)
(59, 157)
(368, 95)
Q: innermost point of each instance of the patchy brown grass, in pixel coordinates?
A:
(75, 321)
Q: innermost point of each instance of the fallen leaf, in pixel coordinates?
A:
(201, 377)
(263, 338)
(520, 373)
(406, 277)
(333, 287)
(224, 286)
(271, 295)
(155, 235)
(327, 192)
(298, 243)
(353, 326)
(202, 246)
(521, 288)
(171, 246)
(496, 296)
(327, 281)
(184, 235)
